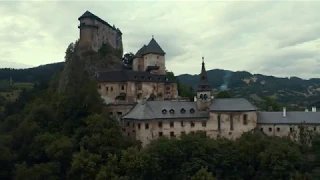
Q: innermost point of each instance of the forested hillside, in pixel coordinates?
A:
(293, 91)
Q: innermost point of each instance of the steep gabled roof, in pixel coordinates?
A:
(203, 83)
(140, 51)
(166, 110)
(88, 14)
(293, 117)
(129, 75)
(153, 47)
(231, 105)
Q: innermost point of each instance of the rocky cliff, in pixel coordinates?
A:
(80, 60)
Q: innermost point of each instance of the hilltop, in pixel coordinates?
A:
(292, 91)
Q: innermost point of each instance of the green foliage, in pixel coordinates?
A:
(223, 94)
(128, 59)
(270, 104)
(203, 174)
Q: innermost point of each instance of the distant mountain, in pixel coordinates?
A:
(35, 74)
(294, 91)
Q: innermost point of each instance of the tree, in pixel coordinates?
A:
(128, 59)
(223, 94)
(271, 104)
(203, 174)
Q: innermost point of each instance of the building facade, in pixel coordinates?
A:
(228, 118)
(121, 89)
(94, 32)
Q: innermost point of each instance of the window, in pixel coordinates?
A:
(99, 86)
(107, 88)
(261, 129)
(171, 134)
(219, 122)
(128, 134)
(270, 129)
(119, 113)
(133, 124)
(171, 111)
(139, 126)
(245, 119)
(160, 134)
(291, 129)
(191, 132)
(164, 111)
(157, 57)
(111, 89)
(182, 123)
(142, 77)
(171, 124)
(182, 111)
(191, 110)
(110, 113)
(183, 133)
(278, 129)
(160, 124)
(146, 126)
(128, 124)
(231, 122)
(204, 123)
(192, 123)
(122, 87)
(315, 128)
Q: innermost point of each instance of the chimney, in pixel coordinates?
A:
(195, 98)
(314, 109)
(284, 112)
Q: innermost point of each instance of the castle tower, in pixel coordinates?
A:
(150, 58)
(95, 32)
(88, 31)
(203, 90)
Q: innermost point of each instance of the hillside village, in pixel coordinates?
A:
(147, 103)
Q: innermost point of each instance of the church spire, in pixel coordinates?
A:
(203, 83)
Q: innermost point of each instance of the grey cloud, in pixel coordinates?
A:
(261, 37)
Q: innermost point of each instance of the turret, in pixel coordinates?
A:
(203, 90)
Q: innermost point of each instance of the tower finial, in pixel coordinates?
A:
(152, 36)
(202, 59)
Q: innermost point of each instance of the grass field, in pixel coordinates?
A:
(14, 94)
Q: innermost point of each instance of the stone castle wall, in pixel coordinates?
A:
(95, 33)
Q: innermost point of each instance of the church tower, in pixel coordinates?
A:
(203, 90)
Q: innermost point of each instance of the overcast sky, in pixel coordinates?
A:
(273, 38)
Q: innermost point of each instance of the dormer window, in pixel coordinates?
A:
(142, 77)
(164, 111)
(136, 77)
(191, 110)
(149, 78)
(171, 111)
(182, 111)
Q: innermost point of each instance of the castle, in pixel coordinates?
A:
(145, 101)
(94, 32)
